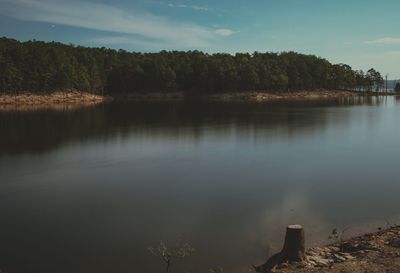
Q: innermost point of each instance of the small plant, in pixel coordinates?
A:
(166, 254)
(334, 236)
(388, 224)
(216, 270)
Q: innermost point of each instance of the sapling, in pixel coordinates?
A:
(167, 254)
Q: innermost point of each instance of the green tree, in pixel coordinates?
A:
(38, 66)
(374, 80)
(397, 87)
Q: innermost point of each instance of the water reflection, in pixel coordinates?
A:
(44, 130)
(89, 190)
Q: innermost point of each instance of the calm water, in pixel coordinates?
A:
(89, 190)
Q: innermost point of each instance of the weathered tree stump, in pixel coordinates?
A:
(293, 249)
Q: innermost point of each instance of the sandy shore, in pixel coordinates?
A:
(58, 100)
(372, 253)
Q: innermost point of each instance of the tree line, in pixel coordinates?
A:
(44, 67)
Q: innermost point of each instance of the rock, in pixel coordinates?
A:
(349, 247)
(302, 264)
(282, 265)
(312, 263)
(320, 262)
(313, 251)
(339, 258)
(347, 256)
(334, 248)
(394, 243)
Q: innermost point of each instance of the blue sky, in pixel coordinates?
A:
(361, 33)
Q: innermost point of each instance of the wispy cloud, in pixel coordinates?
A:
(393, 53)
(385, 41)
(201, 8)
(177, 5)
(224, 32)
(153, 29)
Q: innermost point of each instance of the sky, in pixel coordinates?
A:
(361, 33)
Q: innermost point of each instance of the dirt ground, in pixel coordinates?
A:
(371, 253)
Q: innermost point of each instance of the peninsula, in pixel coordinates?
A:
(35, 72)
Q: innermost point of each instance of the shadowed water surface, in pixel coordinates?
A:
(89, 190)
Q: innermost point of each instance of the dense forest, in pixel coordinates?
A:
(43, 67)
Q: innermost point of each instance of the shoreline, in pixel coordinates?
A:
(251, 96)
(58, 100)
(292, 96)
(371, 252)
(72, 98)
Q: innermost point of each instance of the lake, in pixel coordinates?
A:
(88, 190)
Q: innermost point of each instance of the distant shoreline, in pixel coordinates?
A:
(282, 96)
(60, 99)
(251, 96)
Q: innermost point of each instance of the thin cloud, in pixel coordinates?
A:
(111, 19)
(392, 53)
(385, 41)
(224, 32)
(201, 8)
(177, 5)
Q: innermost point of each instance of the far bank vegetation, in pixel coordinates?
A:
(38, 67)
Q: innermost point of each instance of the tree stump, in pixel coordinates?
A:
(293, 249)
